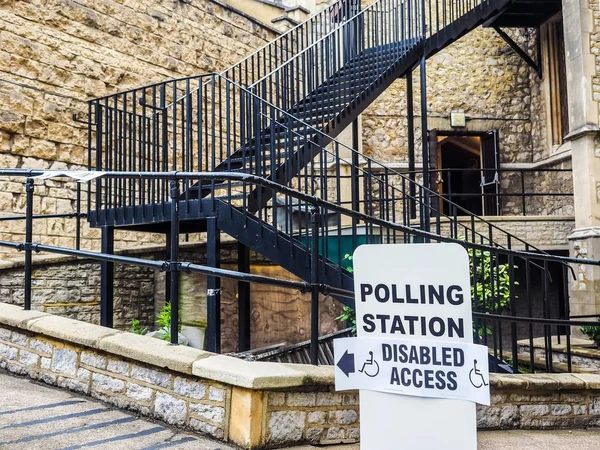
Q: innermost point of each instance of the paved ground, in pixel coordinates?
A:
(34, 416)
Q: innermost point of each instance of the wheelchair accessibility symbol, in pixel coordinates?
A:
(476, 377)
(370, 367)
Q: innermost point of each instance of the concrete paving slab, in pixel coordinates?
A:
(23, 400)
(34, 416)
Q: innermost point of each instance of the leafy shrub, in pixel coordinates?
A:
(593, 332)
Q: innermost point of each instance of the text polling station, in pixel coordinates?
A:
(414, 328)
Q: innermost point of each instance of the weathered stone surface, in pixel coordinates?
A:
(19, 338)
(116, 366)
(170, 409)
(5, 334)
(107, 383)
(57, 54)
(286, 426)
(301, 399)
(151, 376)
(138, 392)
(7, 352)
(64, 361)
(191, 389)
(216, 394)
(28, 358)
(209, 412)
(206, 428)
(153, 351)
(40, 346)
(343, 417)
(93, 360)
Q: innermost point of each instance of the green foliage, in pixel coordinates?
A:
(163, 320)
(137, 328)
(490, 285)
(347, 262)
(593, 332)
(349, 316)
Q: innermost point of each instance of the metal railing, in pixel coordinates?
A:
(522, 192)
(531, 301)
(135, 137)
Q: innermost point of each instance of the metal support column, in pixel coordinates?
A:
(410, 119)
(174, 263)
(314, 279)
(426, 216)
(29, 187)
(107, 278)
(243, 299)
(213, 294)
(355, 163)
(167, 277)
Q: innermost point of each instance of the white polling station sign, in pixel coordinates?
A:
(418, 294)
(428, 369)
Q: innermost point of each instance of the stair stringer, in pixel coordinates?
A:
(448, 35)
(280, 248)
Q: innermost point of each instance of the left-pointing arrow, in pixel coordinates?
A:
(346, 363)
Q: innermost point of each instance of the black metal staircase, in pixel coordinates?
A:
(275, 115)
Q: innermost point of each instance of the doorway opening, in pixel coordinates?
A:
(464, 171)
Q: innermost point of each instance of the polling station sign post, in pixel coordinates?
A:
(413, 360)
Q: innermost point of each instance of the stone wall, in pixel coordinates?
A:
(56, 54)
(70, 288)
(252, 404)
(478, 75)
(543, 232)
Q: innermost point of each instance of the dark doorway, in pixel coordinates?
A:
(464, 171)
(461, 181)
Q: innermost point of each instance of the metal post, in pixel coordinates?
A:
(355, 163)
(243, 299)
(29, 187)
(411, 144)
(425, 143)
(78, 219)
(174, 263)
(107, 278)
(314, 279)
(213, 295)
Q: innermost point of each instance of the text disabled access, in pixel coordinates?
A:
(427, 368)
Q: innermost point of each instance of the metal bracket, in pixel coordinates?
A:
(494, 180)
(537, 66)
(77, 119)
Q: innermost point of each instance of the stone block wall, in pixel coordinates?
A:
(542, 402)
(70, 288)
(476, 75)
(318, 417)
(56, 54)
(252, 404)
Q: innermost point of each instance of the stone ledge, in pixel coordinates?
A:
(15, 316)
(262, 375)
(545, 382)
(187, 360)
(152, 351)
(70, 330)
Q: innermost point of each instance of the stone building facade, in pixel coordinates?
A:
(55, 55)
